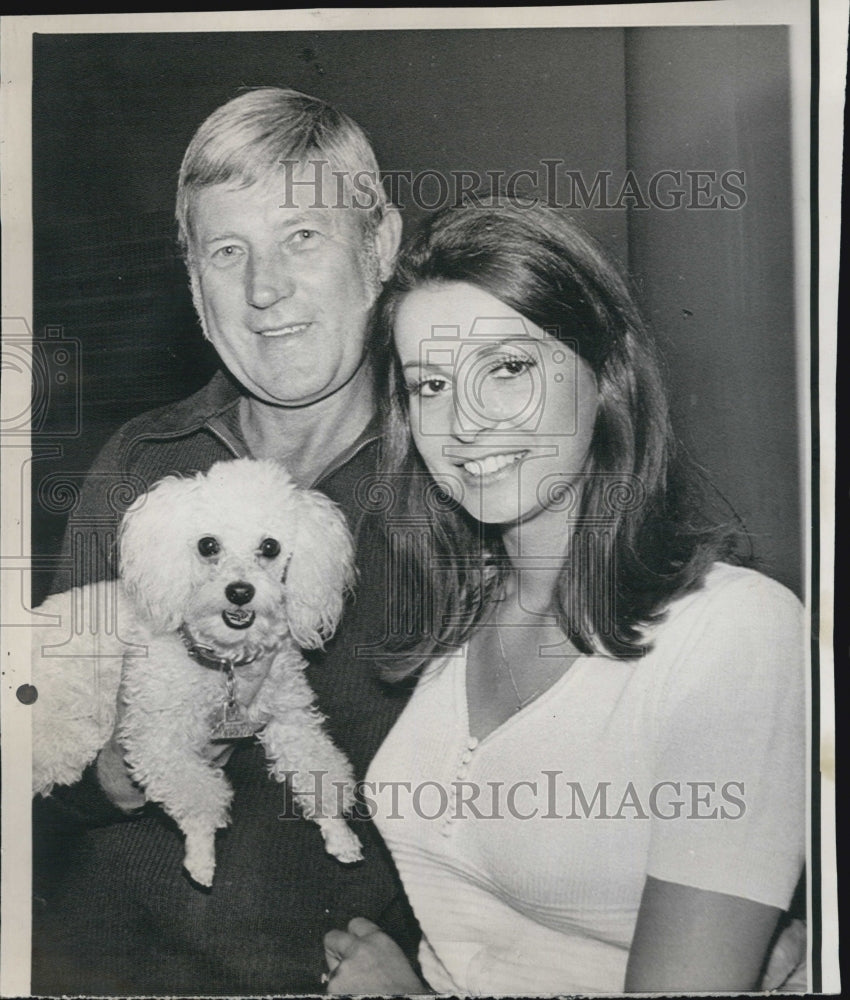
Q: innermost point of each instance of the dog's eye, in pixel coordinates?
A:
(270, 547)
(208, 546)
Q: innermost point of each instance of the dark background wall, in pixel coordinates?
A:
(718, 285)
(112, 115)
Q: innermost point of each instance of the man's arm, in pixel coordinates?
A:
(88, 554)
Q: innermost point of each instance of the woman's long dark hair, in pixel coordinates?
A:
(639, 535)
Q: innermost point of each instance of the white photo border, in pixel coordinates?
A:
(818, 33)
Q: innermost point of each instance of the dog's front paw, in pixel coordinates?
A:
(346, 794)
(200, 870)
(340, 841)
(199, 859)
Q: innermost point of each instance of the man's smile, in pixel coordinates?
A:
(284, 331)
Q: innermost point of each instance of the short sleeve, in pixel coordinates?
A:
(731, 744)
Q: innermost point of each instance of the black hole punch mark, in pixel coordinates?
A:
(27, 694)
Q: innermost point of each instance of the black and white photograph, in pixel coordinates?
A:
(417, 520)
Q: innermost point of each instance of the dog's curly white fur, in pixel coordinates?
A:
(254, 569)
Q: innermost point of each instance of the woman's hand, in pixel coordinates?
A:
(362, 959)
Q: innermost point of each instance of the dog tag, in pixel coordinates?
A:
(234, 724)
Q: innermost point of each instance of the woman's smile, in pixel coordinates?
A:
(485, 467)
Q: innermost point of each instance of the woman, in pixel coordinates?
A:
(598, 784)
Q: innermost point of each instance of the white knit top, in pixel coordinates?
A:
(524, 855)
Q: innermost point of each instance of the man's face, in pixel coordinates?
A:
(283, 290)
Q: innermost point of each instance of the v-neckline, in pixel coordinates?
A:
(462, 690)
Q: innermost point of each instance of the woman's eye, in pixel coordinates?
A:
(427, 387)
(208, 546)
(269, 548)
(511, 367)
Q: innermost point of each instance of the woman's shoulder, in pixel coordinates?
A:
(736, 592)
(735, 613)
(733, 648)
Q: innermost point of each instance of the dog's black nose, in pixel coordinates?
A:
(239, 593)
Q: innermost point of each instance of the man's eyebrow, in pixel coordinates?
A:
(218, 237)
(308, 215)
(297, 221)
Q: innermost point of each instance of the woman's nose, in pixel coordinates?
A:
(479, 406)
(268, 279)
(466, 418)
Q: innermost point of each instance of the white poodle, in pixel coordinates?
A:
(223, 577)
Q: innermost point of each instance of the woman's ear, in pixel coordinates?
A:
(387, 241)
(320, 571)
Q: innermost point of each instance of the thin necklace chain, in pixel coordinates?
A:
(520, 701)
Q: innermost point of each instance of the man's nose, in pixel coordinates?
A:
(268, 279)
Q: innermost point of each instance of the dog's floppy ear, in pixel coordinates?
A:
(155, 553)
(320, 572)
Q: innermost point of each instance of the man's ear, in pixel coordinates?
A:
(197, 297)
(387, 240)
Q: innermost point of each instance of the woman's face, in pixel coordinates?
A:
(501, 411)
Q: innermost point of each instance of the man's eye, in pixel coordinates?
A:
(303, 237)
(208, 546)
(227, 254)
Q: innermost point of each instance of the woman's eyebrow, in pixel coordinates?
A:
(503, 341)
(424, 364)
(483, 346)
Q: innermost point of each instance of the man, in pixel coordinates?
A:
(286, 244)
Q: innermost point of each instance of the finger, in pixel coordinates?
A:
(361, 927)
(336, 985)
(333, 962)
(337, 944)
(114, 778)
(219, 753)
